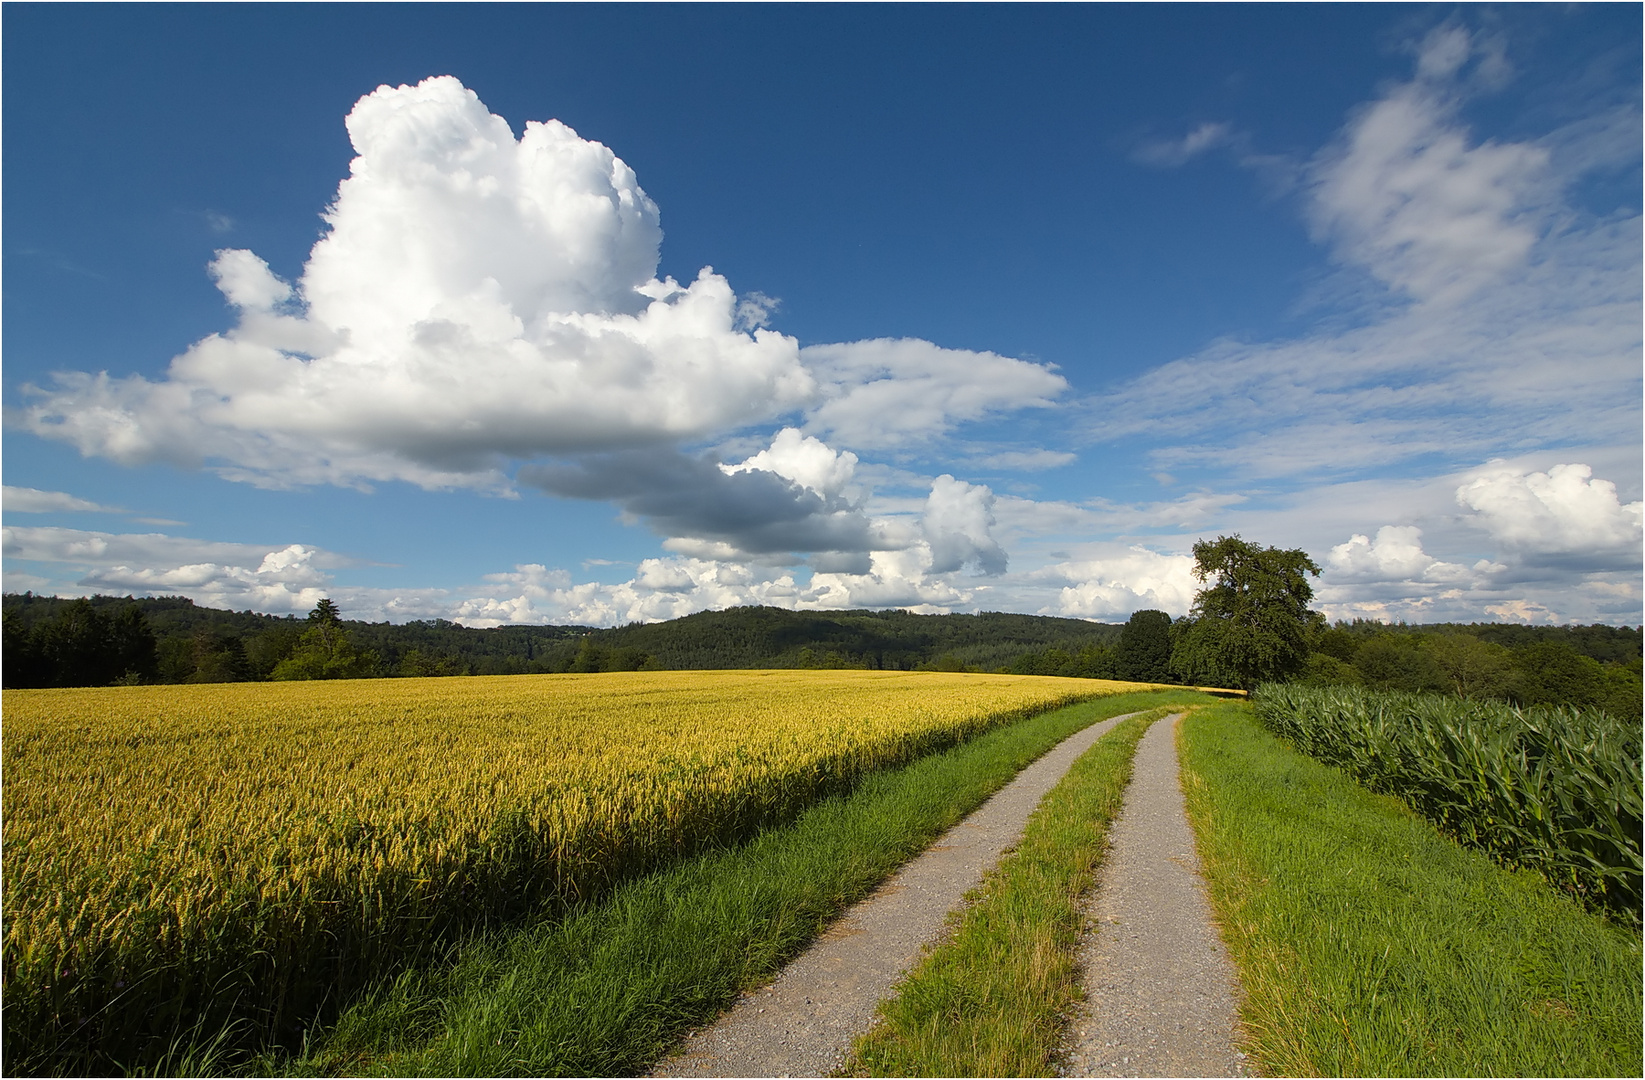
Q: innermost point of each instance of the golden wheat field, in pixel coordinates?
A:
(249, 838)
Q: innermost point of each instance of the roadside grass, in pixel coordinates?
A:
(1371, 945)
(991, 999)
(609, 989)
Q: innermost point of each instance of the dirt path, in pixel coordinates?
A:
(1160, 990)
(803, 1023)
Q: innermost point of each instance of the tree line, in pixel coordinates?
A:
(195, 644)
(1250, 623)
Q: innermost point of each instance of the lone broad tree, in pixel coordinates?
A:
(1250, 623)
(326, 650)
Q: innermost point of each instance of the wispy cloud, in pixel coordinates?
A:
(1407, 194)
(29, 500)
(1524, 335)
(1028, 460)
(894, 393)
(1171, 153)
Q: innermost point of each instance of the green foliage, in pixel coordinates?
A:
(1091, 662)
(1623, 694)
(1323, 669)
(326, 650)
(1550, 673)
(1336, 642)
(1545, 666)
(1144, 652)
(1554, 790)
(1387, 662)
(1473, 668)
(80, 645)
(1607, 644)
(1250, 623)
(744, 637)
(592, 656)
(1370, 945)
(414, 663)
(763, 637)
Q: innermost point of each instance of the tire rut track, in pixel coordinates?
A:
(803, 1023)
(1162, 994)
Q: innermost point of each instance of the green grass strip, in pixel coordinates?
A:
(610, 989)
(992, 998)
(1371, 945)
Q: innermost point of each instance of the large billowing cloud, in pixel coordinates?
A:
(1562, 516)
(1116, 584)
(479, 299)
(1394, 555)
(476, 297)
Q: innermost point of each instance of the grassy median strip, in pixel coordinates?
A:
(610, 989)
(990, 1000)
(1371, 945)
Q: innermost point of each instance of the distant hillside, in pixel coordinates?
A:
(1607, 644)
(65, 642)
(200, 644)
(751, 637)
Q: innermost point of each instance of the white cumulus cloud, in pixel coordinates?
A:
(1394, 555)
(476, 297)
(1128, 580)
(958, 524)
(1564, 514)
(805, 460)
(479, 299)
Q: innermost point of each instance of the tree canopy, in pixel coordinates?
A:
(80, 646)
(326, 650)
(1251, 622)
(1144, 652)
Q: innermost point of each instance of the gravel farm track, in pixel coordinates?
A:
(1155, 969)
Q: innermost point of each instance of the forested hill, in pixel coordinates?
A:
(753, 637)
(51, 641)
(109, 639)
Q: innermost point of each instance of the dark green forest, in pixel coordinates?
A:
(51, 641)
(105, 640)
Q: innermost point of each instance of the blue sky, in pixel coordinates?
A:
(1009, 305)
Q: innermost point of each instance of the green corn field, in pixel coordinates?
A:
(1551, 789)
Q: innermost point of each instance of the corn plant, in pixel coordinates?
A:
(1555, 790)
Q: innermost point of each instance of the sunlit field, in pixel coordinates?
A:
(179, 855)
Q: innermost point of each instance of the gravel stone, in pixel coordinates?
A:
(803, 1023)
(1161, 993)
